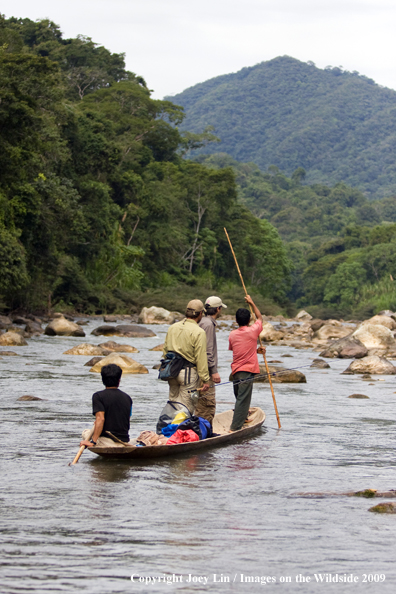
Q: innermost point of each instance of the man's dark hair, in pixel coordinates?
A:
(111, 375)
(210, 311)
(242, 316)
(192, 315)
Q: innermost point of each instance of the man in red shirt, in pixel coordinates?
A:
(245, 365)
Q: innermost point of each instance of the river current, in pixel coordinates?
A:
(236, 518)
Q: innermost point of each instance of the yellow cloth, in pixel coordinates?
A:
(189, 340)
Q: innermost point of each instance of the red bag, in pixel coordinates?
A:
(181, 436)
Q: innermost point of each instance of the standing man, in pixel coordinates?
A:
(188, 340)
(112, 409)
(206, 406)
(245, 365)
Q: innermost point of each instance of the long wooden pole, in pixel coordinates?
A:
(82, 448)
(261, 344)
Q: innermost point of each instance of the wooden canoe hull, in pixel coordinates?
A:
(220, 423)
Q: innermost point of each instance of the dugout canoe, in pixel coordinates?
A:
(221, 426)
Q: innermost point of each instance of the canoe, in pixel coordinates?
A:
(221, 426)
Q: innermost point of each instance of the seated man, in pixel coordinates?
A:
(112, 409)
(245, 365)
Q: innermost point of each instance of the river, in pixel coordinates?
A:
(228, 519)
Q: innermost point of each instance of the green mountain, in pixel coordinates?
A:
(337, 125)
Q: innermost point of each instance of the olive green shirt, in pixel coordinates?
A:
(189, 340)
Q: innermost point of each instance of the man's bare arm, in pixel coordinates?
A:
(99, 422)
(256, 310)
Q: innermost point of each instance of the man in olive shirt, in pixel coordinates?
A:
(206, 406)
(188, 340)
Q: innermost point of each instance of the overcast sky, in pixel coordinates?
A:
(175, 44)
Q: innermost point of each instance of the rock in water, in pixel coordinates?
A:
(382, 320)
(8, 354)
(303, 315)
(329, 331)
(87, 349)
(374, 336)
(28, 398)
(12, 339)
(93, 361)
(127, 364)
(281, 375)
(156, 315)
(110, 319)
(269, 334)
(320, 364)
(110, 345)
(60, 326)
(362, 396)
(388, 507)
(159, 347)
(345, 348)
(373, 364)
(130, 330)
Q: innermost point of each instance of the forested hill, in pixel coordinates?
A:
(96, 201)
(337, 125)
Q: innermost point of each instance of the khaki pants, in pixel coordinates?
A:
(179, 387)
(103, 442)
(206, 407)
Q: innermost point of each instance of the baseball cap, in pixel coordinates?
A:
(195, 306)
(214, 302)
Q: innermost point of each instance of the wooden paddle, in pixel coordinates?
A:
(82, 448)
(261, 344)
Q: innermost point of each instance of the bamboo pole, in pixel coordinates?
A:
(82, 448)
(261, 344)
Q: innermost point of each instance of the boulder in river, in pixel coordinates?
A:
(159, 347)
(12, 339)
(345, 348)
(28, 398)
(93, 361)
(316, 324)
(110, 319)
(328, 331)
(130, 330)
(33, 328)
(374, 336)
(110, 345)
(269, 334)
(87, 349)
(60, 326)
(303, 316)
(387, 507)
(382, 320)
(372, 364)
(127, 364)
(320, 364)
(157, 315)
(361, 396)
(5, 321)
(281, 375)
(7, 354)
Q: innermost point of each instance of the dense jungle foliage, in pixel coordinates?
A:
(337, 125)
(97, 204)
(343, 246)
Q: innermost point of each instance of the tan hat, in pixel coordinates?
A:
(195, 306)
(214, 302)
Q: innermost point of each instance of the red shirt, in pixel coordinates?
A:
(243, 343)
